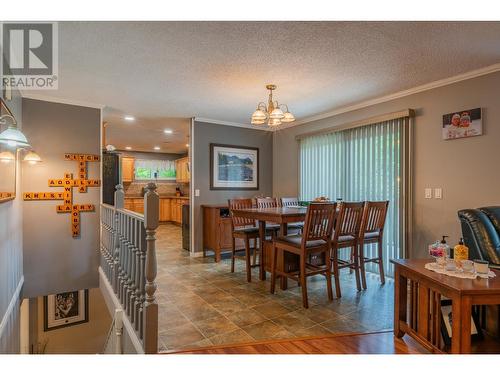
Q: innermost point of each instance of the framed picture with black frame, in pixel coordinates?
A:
(447, 319)
(65, 309)
(234, 167)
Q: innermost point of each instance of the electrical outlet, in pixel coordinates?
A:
(428, 193)
(438, 193)
(196, 192)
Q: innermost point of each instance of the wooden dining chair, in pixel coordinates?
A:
(245, 229)
(372, 231)
(271, 227)
(316, 238)
(346, 235)
(288, 202)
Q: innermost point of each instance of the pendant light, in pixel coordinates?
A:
(272, 113)
(12, 136)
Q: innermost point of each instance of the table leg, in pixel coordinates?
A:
(461, 325)
(281, 254)
(400, 303)
(262, 235)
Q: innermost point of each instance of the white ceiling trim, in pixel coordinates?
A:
(229, 123)
(46, 98)
(428, 86)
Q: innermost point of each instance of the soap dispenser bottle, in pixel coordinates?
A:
(461, 252)
(444, 247)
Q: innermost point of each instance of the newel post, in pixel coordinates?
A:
(151, 217)
(119, 202)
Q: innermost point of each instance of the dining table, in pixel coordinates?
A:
(279, 215)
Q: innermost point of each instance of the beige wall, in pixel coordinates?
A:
(85, 338)
(466, 169)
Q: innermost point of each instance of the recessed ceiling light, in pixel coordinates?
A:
(187, 144)
(128, 148)
(168, 131)
(129, 118)
(156, 148)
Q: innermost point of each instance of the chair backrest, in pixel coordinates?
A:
(267, 202)
(349, 219)
(374, 215)
(240, 203)
(319, 221)
(287, 202)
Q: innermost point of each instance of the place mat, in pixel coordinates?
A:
(461, 275)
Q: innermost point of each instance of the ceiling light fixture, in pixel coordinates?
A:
(12, 136)
(168, 131)
(187, 144)
(275, 114)
(156, 148)
(129, 118)
(128, 148)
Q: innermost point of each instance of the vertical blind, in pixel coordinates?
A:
(359, 164)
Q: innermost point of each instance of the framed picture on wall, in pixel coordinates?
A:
(234, 167)
(462, 124)
(65, 309)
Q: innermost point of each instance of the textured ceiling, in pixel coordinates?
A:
(218, 70)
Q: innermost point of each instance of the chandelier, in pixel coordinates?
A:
(275, 114)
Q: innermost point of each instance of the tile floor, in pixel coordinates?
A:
(201, 303)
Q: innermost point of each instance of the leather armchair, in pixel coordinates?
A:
(481, 233)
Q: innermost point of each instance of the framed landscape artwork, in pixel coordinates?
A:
(462, 124)
(234, 167)
(65, 309)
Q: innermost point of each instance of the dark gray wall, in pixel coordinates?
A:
(11, 252)
(54, 261)
(204, 134)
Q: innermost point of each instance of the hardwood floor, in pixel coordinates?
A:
(366, 343)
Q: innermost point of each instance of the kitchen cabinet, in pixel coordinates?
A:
(165, 209)
(128, 170)
(170, 207)
(182, 173)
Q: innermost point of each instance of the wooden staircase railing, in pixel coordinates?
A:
(128, 260)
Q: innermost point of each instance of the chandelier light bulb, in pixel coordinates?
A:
(277, 114)
(288, 117)
(274, 122)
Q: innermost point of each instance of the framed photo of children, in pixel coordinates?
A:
(462, 124)
(234, 167)
(65, 309)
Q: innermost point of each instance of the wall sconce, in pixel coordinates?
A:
(12, 136)
(7, 157)
(32, 157)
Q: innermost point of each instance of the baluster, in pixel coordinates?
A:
(131, 256)
(134, 270)
(142, 267)
(151, 216)
(137, 298)
(119, 201)
(123, 256)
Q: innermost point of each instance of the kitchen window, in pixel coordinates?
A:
(155, 170)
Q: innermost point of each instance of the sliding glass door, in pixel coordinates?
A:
(358, 164)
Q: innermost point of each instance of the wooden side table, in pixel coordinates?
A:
(417, 304)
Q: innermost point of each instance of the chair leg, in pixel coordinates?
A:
(233, 254)
(335, 264)
(352, 260)
(255, 247)
(274, 257)
(328, 274)
(303, 284)
(247, 259)
(380, 262)
(355, 250)
(362, 264)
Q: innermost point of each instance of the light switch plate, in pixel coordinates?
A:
(196, 192)
(428, 193)
(438, 193)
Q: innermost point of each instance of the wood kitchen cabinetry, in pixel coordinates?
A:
(170, 207)
(182, 170)
(128, 170)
